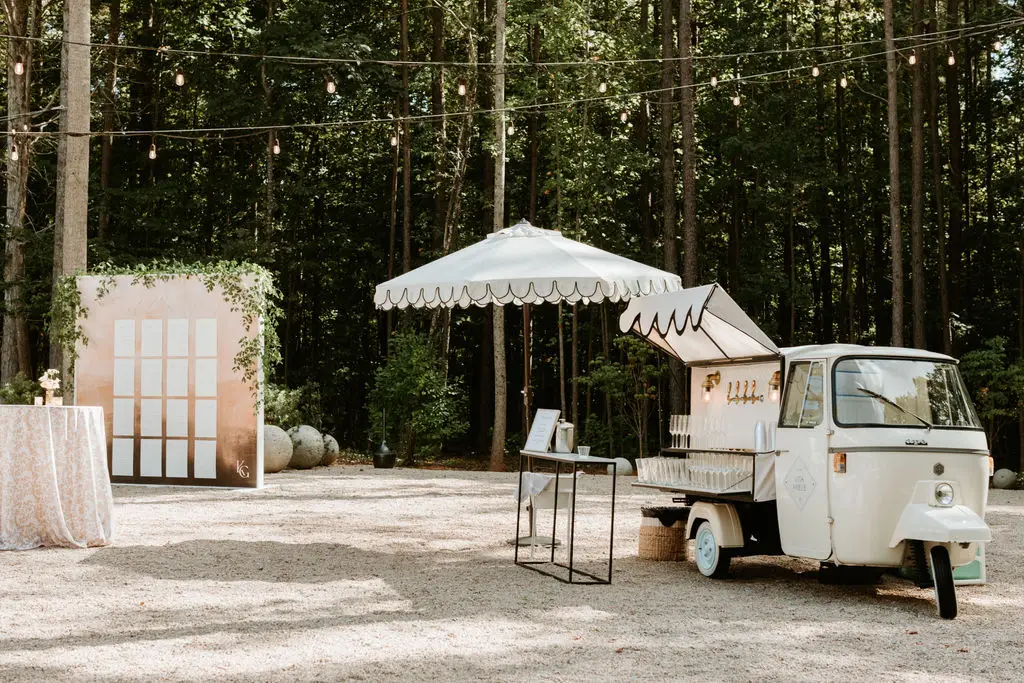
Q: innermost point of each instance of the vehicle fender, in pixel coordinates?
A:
(724, 519)
(956, 524)
(922, 520)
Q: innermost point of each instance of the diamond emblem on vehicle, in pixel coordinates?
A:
(799, 483)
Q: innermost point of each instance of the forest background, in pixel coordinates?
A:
(361, 145)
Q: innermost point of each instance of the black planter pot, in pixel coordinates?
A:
(384, 458)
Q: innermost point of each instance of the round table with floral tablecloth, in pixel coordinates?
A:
(54, 483)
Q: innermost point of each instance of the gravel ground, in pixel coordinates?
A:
(350, 573)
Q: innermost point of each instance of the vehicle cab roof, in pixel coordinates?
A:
(830, 351)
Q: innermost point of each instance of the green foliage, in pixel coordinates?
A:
(632, 384)
(246, 287)
(995, 383)
(422, 408)
(288, 408)
(20, 391)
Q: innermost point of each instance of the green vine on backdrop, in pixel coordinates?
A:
(246, 287)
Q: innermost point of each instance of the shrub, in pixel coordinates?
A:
(20, 391)
(632, 386)
(288, 408)
(421, 407)
(996, 385)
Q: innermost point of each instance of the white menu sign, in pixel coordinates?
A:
(544, 422)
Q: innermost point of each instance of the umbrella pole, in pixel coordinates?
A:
(526, 369)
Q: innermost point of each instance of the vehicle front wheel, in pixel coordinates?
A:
(942, 577)
(712, 559)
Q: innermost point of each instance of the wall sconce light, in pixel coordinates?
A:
(710, 382)
(773, 384)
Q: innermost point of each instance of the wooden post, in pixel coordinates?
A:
(71, 220)
(896, 238)
(500, 392)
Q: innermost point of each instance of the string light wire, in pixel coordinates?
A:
(959, 32)
(252, 130)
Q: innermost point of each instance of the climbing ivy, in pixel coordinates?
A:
(246, 287)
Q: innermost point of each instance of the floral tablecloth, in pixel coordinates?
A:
(54, 484)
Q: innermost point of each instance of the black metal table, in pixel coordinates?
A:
(576, 460)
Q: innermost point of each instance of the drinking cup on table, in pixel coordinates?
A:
(583, 450)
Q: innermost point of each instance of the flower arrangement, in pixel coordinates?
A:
(50, 382)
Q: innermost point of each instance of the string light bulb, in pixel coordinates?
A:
(815, 71)
(179, 78)
(332, 87)
(462, 88)
(603, 88)
(19, 67)
(623, 116)
(277, 146)
(843, 82)
(951, 60)
(714, 81)
(14, 152)
(912, 60)
(997, 46)
(152, 151)
(736, 100)
(394, 141)
(511, 129)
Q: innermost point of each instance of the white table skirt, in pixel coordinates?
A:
(54, 484)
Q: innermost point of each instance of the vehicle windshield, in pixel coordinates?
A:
(901, 392)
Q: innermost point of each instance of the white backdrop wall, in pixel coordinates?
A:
(739, 417)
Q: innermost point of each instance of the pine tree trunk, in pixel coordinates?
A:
(500, 389)
(440, 129)
(937, 187)
(406, 144)
(107, 150)
(917, 181)
(72, 215)
(392, 233)
(668, 183)
(956, 176)
(14, 352)
(535, 138)
(826, 313)
(686, 97)
(668, 166)
(896, 239)
(643, 142)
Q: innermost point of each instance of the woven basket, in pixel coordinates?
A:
(663, 543)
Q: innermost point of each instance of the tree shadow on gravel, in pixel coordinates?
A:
(231, 560)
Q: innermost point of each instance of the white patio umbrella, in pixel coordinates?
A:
(523, 265)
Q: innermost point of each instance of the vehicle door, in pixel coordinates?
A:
(801, 463)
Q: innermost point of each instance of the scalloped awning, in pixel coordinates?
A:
(698, 325)
(523, 264)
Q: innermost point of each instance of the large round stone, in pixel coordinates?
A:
(331, 450)
(624, 467)
(308, 447)
(1004, 479)
(277, 448)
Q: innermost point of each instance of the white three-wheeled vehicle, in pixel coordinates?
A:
(854, 456)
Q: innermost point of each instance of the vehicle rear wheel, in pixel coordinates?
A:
(712, 559)
(942, 576)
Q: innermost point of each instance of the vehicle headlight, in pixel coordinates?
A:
(943, 494)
